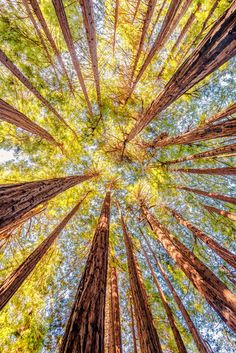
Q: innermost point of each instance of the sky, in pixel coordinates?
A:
(6, 156)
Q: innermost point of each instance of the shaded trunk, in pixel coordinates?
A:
(225, 254)
(136, 9)
(223, 114)
(210, 171)
(216, 293)
(227, 214)
(197, 338)
(157, 19)
(133, 325)
(178, 339)
(61, 15)
(115, 23)
(212, 195)
(215, 49)
(149, 341)
(18, 199)
(229, 275)
(85, 328)
(13, 116)
(17, 277)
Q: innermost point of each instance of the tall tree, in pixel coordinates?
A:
(17, 277)
(215, 49)
(116, 17)
(149, 340)
(85, 328)
(222, 114)
(210, 171)
(18, 199)
(224, 213)
(133, 324)
(212, 195)
(216, 293)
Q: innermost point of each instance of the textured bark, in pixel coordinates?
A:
(117, 4)
(88, 17)
(177, 336)
(197, 338)
(61, 15)
(12, 283)
(115, 327)
(225, 254)
(216, 293)
(148, 338)
(224, 213)
(35, 6)
(133, 325)
(215, 49)
(136, 9)
(223, 114)
(212, 195)
(13, 116)
(18, 199)
(229, 150)
(84, 332)
(210, 171)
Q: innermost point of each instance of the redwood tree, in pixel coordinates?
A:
(224, 213)
(212, 195)
(210, 171)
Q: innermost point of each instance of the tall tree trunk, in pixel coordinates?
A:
(225, 254)
(229, 150)
(224, 213)
(18, 199)
(136, 9)
(88, 17)
(61, 15)
(149, 340)
(177, 336)
(115, 328)
(223, 114)
(85, 328)
(197, 338)
(210, 171)
(216, 48)
(13, 116)
(35, 6)
(117, 5)
(206, 282)
(17, 277)
(157, 19)
(133, 325)
(212, 195)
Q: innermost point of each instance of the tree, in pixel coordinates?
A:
(212, 195)
(224, 213)
(211, 171)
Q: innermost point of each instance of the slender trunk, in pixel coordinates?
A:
(136, 9)
(197, 338)
(115, 334)
(117, 4)
(225, 254)
(88, 17)
(210, 171)
(216, 48)
(178, 339)
(229, 275)
(12, 283)
(223, 114)
(18, 199)
(224, 213)
(229, 150)
(157, 19)
(212, 195)
(149, 340)
(85, 328)
(13, 116)
(206, 282)
(35, 6)
(61, 15)
(133, 325)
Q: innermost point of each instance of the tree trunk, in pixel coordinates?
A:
(136, 9)
(61, 16)
(85, 328)
(197, 338)
(18, 199)
(133, 325)
(212, 195)
(157, 19)
(206, 282)
(216, 48)
(12, 283)
(225, 254)
(210, 171)
(224, 213)
(149, 341)
(13, 116)
(223, 114)
(115, 327)
(115, 23)
(178, 339)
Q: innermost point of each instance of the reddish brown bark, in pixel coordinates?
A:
(225, 254)
(197, 338)
(133, 325)
(177, 336)
(61, 15)
(224, 213)
(215, 49)
(223, 114)
(18, 199)
(13, 116)
(212, 195)
(136, 9)
(17, 277)
(85, 328)
(210, 171)
(148, 338)
(157, 19)
(216, 293)
(117, 4)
